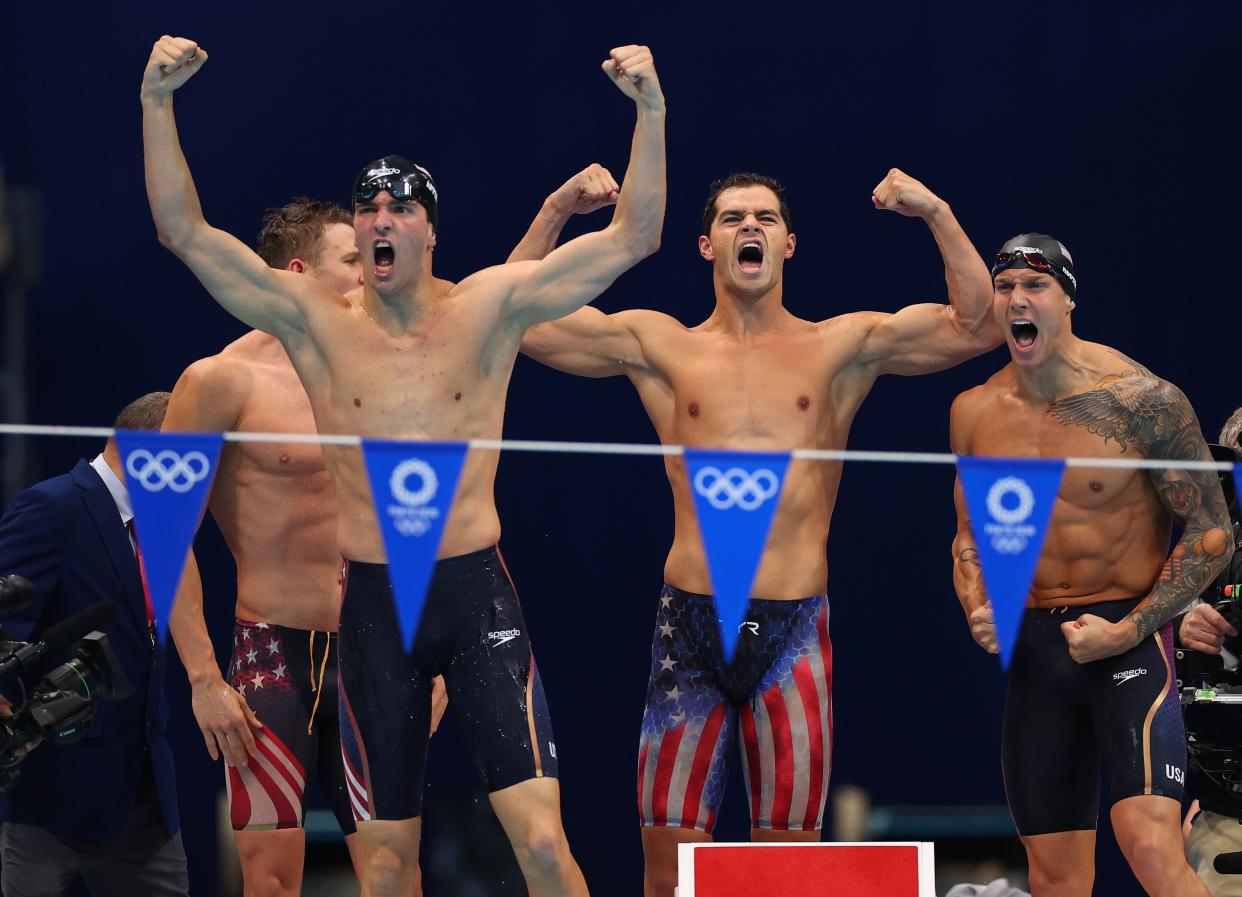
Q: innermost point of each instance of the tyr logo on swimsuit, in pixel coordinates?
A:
(411, 516)
(1009, 533)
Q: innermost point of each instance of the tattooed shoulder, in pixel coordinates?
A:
(1136, 408)
(1126, 359)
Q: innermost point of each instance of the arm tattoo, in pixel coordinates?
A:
(1137, 408)
(969, 556)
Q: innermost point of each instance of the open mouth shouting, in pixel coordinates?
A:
(750, 257)
(1025, 333)
(384, 257)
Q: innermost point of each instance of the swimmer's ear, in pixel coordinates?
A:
(431, 241)
(705, 248)
(1070, 305)
(297, 266)
(791, 243)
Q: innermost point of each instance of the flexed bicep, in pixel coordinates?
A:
(924, 338)
(231, 271)
(586, 343)
(575, 273)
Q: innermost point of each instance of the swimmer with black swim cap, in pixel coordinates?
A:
(1091, 681)
(400, 187)
(401, 178)
(1031, 332)
(353, 355)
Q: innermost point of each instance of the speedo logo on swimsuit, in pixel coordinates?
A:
(1127, 675)
(502, 636)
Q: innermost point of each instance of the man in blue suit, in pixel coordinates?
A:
(104, 807)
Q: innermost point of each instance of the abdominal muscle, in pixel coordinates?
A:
(794, 563)
(1092, 556)
(472, 522)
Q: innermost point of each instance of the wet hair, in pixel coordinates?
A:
(744, 179)
(295, 231)
(1232, 429)
(144, 413)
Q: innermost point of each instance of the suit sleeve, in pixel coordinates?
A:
(32, 544)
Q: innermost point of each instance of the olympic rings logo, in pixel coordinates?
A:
(413, 498)
(1010, 544)
(167, 469)
(1010, 486)
(736, 487)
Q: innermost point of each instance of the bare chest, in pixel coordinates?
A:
(777, 394)
(440, 373)
(277, 403)
(1037, 434)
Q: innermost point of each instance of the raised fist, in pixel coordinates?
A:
(174, 61)
(900, 193)
(633, 70)
(588, 190)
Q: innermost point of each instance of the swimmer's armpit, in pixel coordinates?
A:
(1141, 409)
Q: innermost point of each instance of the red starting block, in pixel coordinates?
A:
(881, 869)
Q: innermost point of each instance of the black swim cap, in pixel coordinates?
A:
(402, 179)
(1039, 252)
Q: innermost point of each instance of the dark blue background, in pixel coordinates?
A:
(1103, 123)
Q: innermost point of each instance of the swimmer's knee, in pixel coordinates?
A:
(542, 848)
(271, 885)
(659, 878)
(385, 870)
(1061, 865)
(1059, 881)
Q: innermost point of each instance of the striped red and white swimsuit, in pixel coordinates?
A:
(775, 696)
(288, 677)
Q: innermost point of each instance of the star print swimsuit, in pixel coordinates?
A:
(775, 696)
(288, 676)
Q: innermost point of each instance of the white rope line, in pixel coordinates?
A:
(627, 448)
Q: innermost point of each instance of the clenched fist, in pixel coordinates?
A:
(1091, 638)
(983, 628)
(633, 71)
(174, 61)
(900, 193)
(588, 190)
